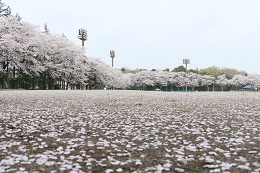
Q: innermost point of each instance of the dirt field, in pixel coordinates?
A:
(129, 131)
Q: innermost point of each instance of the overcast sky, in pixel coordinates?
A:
(156, 34)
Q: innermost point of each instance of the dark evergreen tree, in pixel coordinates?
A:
(180, 68)
(4, 10)
(18, 17)
(46, 29)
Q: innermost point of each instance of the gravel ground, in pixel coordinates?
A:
(129, 131)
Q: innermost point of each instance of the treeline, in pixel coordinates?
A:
(174, 81)
(32, 59)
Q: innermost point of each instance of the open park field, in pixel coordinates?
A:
(129, 131)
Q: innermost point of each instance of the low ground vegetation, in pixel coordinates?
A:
(129, 131)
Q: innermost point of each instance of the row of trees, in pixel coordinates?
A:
(211, 71)
(27, 53)
(166, 80)
(32, 59)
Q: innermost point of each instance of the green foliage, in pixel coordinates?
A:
(180, 68)
(193, 71)
(123, 70)
(216, 71)
(167, 69)
(126, 70)
(211, 71)
(229, 72)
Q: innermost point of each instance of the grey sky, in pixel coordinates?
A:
(156, 33)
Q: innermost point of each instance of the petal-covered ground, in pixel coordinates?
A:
(129, 131)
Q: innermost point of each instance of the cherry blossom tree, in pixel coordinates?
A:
(238, 80)
(254, 80)
(143, 79)
(63, 60)
(102, 76)
(161, 78)
(181, 80)
(172, 79)
(222, 81)
(15, 40)
(206, 81)
(193, 80)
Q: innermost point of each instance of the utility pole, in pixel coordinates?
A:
(112, 55)
(186, 62)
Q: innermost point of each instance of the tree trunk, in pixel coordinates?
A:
(44, 80)
(6, 79)
(6, 82)
(67, 86)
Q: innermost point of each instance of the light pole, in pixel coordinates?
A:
(83, 37)
(112, 55)
(186, 62)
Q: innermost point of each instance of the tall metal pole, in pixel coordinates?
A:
(83, 37)
(83, 52)
(186, 76)
(186, 62)
(112, 55)
(112, 62)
